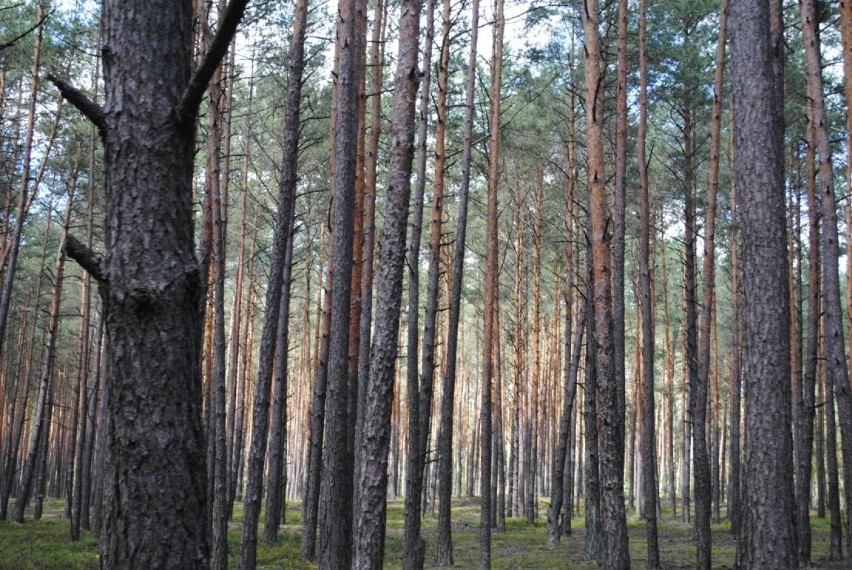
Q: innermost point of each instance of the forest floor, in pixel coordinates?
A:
(45, 544)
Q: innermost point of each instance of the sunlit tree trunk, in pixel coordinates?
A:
(609, 387)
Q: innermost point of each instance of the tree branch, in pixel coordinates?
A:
(88, 259)
(21, 36)
(81, 101)
(188, 107)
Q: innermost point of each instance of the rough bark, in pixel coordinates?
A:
(835, 548)
(337, 473)
(152, 282)
(375, 426)
(734, 494)
(609, 388)
(593, 547)
(560, 456)
(769, 529)
(617, 244)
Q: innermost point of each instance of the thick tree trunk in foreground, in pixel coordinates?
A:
(152, 283)
(770, 539)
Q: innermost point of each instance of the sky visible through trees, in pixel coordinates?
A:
(574, 265)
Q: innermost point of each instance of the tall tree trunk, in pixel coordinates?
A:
(845, 8)
(491, 285)
(277, 484)
(310, 504)
(277, 289)
(592, 494)
(24, 196)
(445, 431)
(337, 484)
(699, 390)
(770, 537)
(649, 461)
(370, 166)
(40, 423)
(413, 545)
(734, 492)
(835, 350)
(618, 239)
(217, 461)
(609, 386)
(152, 282)
(519, 448)
(835, 549)
(561, 480)
(82, 468)
(670, 397)
(534, 394)
(805, 419)
(572, 265)
(374, 426)
(560, 461)
(235, 386)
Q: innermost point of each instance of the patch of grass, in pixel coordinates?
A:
(46, 544)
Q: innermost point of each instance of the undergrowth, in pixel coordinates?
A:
(46, 544)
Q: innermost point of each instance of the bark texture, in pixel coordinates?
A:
(152, 283)
(610, 414)
(770, 537)
(375, 429)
